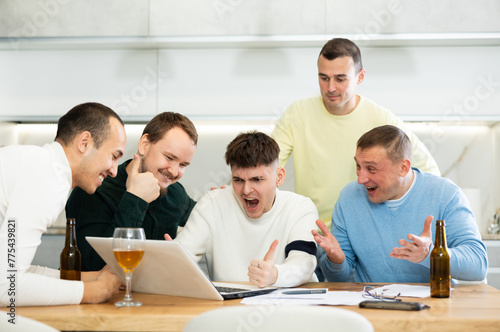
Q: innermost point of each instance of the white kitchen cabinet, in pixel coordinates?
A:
(21, 20)
(49, 18)
(493, 247)
(48, 252)
(242, 80)
(46, 84)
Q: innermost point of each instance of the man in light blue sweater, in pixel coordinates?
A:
(376, 219)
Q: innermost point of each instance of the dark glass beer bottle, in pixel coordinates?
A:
(440, 264)
(71, 259)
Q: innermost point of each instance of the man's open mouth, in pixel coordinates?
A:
(252, 203)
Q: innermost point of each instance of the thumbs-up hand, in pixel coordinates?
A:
(263, 272)
(417, 250)
(143, 185)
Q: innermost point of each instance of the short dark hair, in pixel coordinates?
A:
(163, 122)
(91, 117)
(394, 140)
(252, 149)
(339, 47)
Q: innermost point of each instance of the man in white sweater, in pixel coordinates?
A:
(35, 183)
(252, 231)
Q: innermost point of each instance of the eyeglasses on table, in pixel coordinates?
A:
(369, 292)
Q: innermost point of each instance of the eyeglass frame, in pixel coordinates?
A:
(376, 296)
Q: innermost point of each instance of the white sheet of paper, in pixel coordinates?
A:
(328, 298)
(404, 290)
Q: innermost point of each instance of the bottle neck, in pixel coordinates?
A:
(440, 240)
(70, 233)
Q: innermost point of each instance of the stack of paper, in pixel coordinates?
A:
(333, 297)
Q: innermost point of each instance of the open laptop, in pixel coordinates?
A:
(168, 268)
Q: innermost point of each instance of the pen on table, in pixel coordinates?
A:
(309, 291)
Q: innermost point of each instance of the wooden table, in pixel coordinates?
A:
(470, 308)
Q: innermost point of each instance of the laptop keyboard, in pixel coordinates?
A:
(223, 289)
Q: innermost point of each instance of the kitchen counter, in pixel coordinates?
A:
(490, 236)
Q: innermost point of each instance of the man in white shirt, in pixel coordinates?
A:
(35, 183)
(252, 231)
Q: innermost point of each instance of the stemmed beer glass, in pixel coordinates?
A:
(128, 250)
